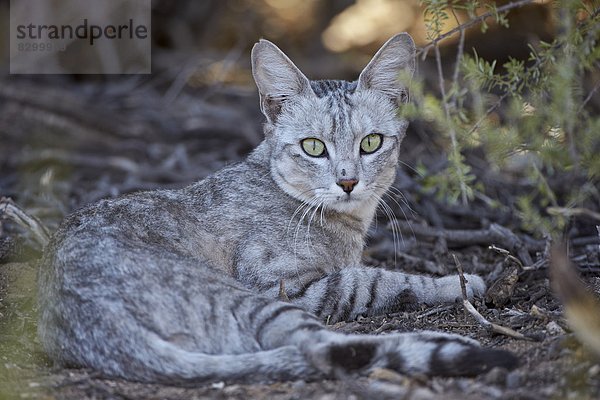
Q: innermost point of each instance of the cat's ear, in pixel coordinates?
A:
(277, 78)
(391, 68)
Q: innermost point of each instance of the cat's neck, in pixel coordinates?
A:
(261, 155)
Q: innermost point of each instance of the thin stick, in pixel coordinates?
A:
(472, 22)
(442, 83)
(459, 56)
(487, 113)
(589, 97)
(490, 326)
(8, 209)
(282, 294)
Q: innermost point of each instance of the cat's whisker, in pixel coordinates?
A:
(411, 168)
(298, 209)
(395, 221)
(308, 238)
(403, 199)
(390, 215)
(307, 243)
(305, 205)
(293, 215)
(379, 205)
(303, 209)
(296, 212)
(403, 213)
(310, 204)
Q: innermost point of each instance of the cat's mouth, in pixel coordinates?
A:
(347, 198)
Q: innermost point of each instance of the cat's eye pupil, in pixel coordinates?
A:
(371, 143)
(313, 147)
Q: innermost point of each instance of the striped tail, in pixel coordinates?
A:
(424, 352)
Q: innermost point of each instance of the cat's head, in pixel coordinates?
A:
(334, 143)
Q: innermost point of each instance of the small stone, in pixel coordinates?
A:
(231, 389)
(594, 371)
(513, 380)
(496, 376)
(299, 384)
(537, 311)
(218, 385)
(554, 329)
(384, 374)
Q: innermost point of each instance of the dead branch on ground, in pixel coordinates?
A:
(495, 234)
(490, 326)
(9, 210)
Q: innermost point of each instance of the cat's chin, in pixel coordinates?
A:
(356, 206)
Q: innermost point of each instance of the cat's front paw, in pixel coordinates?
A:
(449, 288)
(475, 286)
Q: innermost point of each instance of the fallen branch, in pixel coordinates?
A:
(490, 326)
(494, 235)
(9, 210)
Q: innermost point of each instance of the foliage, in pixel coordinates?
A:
(532, 117)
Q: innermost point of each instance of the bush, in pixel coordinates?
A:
(532, 118)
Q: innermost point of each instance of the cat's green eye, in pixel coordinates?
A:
(371, 143)
(313, 147)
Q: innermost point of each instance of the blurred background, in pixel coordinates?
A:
(199, 106)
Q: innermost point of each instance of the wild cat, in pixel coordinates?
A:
(187, 285)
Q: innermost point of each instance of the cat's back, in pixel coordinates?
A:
(204, 221)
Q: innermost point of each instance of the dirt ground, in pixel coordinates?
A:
(66, 144)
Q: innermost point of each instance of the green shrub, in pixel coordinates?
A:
(532, 118)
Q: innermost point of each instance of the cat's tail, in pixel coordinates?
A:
(330, 354)
(424, 352)
(172, 364)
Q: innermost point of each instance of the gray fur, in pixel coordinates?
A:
(184, 285)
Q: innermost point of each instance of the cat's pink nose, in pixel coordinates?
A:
(347, 184)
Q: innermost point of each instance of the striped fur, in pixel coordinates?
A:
(186, 285)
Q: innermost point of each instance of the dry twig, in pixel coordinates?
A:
(8, 209)
(490, 326)
(282, 294)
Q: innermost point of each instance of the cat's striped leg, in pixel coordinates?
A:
(345, 294)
